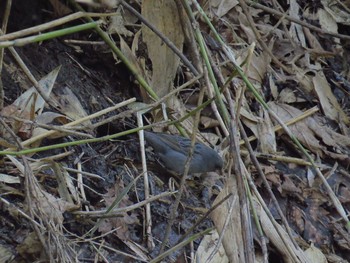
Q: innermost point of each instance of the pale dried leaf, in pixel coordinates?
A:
(327, 21)
(313, 41)
(285, 51)
(274, 178)
(138, 249)
(232, 240)
(39, 165)
(337, 12)
(310, 174)
(212, 138)
(30, 245)
(179, 109)
(275, 238)
(328, 136)
(17, 163)
(135, 43)
(222, 7)
(288, 186)
(49, 118)
(207, 246)
(164, 60)
(117, 25)
(267, 139)
(119, 223)
(244, 24)
(207, 122)
(49, 206)
(66, 189)
(8, 179)
(248, 118)
(108, 3)
(296, 30)
(6, 143)
(5, 254)
(138, 106)
(140, 69)
(273, 87)
(31, 97)
(300, 130)
(27, 106)
(287, 95)
(59, 8)
(304, 80)
(315, 255)
(329, 103)
(257, 65)
(308, 132)
(70, 105)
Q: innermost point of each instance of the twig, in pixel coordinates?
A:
(51, 24)
(122, 210)
(49, 35)
(68, 130)
(243, 190)
(148, 217)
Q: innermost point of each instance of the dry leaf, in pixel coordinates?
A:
(46, 84)
(50, 207)
(313, 135)
(288, 96)
(119, 223)
(315, 255)
(207, 122)
(164, 16)
(5, 254)
(49, 118)
(130, 55)
(207, 246)
(232, 239)
(117, 24)
(70, 105)
(59, 8)
(267, 139)
(30, 246)
(27, 106)
(288, 186)
(222, 7)
(337, 12)
(329, 103)
(8, 179)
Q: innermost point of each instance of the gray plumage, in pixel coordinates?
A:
(173, 150)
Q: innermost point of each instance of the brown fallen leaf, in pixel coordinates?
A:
(313, 135)
(165, 17)
(267, 139)
(121, 224)
(329, 103)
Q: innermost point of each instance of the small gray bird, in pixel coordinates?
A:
(173, 150)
